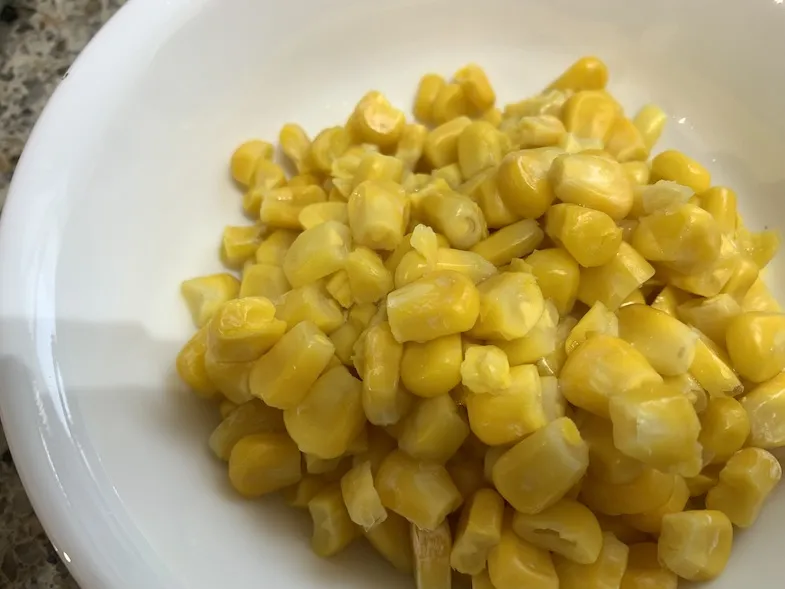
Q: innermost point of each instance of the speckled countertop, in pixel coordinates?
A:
(38, 41)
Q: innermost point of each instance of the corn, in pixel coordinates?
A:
(765, 406)
(361, 499)
(482, 581)
(695, 545)
(758, 298)
(482, 189)
(321, 212)
(267, 175)
(379, 446)
(394, 259)
(537, 343)
(606, 571)
(449, 295)
(756, 346)
(570, 143)
(317, 252)
(537, 131)
(644, 570)
(510, 413)
(551, 365)
(264, 280)
(725, 427)
(245, 158)
(378, 214)
(510, 305)
(422, 492)
(431, 550)
(712, 369)
(557, 275)
(338, 287)
(651, 521)
(299, 494)
(434, 430)
(206, 294)
(637, 172)
(283, 376)
(744, 275)
(669, 299)
(601, 368)
(650, 121)
(613, 282)
(333, 529)
(467, 474)
(720, 203)
(745, 482)
(691, 388)
(762, 247)
(649, 491)
(606, 462)
(262, 463)
(514, 563)
(590, 114)
(588, 73)
(453, 215)
(549, 102)
(711, 281)
(451, 103)
(391, 539)
(225, 407)
(384, 402)
(273, 249)
(711, 316)
(375, 166)
(479, 530)
(451, 174)
(492, 116)
(432, 368)
(479, 147)
(553, 402)
(330, 416)
(410, 147)
(369, 280)
(592, 181)
(243, 329)
(485, 369)
(230, 378)
(296, 145)
(281, 207)
(620, 528)
(376, 121)
(566, 528)
(521, 474)
(590, 236)
(252, 417)
(625, 142)
(514, 241)
(674, 165)
(310, 303)
(427, 91)
(704, 481)
(190, 366)
(441, 144)
(598, 320)
(476, 87)
(327, 146)
(524, 184)
(316, 465)
(239, 243)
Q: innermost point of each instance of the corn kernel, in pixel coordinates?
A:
(637, 172)
(756, 346)
(588, 73)
(720, 203)
(231, 378)
(707, 479)
(745, 482)
(592, 181)
(338, 287)
(432, 368)
(264, 280)
(553, 402)
(695, 545)
(310, 303)
(606, 571)
(648, 492)
(538, 471)
(384, 401)
(485, 369)
(711, 281)
(321, 212)
(537, 343)
(758, 298)
(206, 294)
(514, 563)
(644, 570)
(368, 278)
(296, 145)
(362, 501)
(765, 406)
(711, 368)
(299, 494)
(330, 416)
(601, 368)
(281, 207)
(476, 87)
(410, 147)
(262, 463)
(441, 144)
(669, 299)
(744, 275)
(427, 91)
(239, 244)
(606, 462)
(317, 252)
(191, 366)
(510, 305)
(479, 147)
(273, 249)
(551, 365)
(725, 427)
(674, 165)
(524, 182)
(613, 282)
(391, 539)
(620, 528)
(591, 237)
(450, 103)
(376, 121)
(711, 316)
(453, 215)
(625, 141)
(252, 417)
(243, 329)
(333, 529)
(482, 189)
(651, 521)
(378, 214)
(245, 158)
(327, 146)
(431, 550)
(535, 131)
(479, 530)
(434, 430)
(557, 274)
(650, 121)
(514, 241)
(451, 174)
(590, 114)
(598, 320)
(467, 474)
(492, 116)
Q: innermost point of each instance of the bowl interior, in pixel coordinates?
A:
(124, 191)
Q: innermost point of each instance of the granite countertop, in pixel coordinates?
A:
(39, 39)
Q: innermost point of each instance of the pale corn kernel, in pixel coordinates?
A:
(376, 121)
(467, 474)
(674, 165)
(514, 563)
(327, 146)
(601, 368)
(380, 444)
(557, 274)
(485, 369)
(744, 275)
(333, 529)
(441, 144)
(394, 259)
(669, 299)
(361, 499)
(598, 320)
(625, 142)
(450, 103)
(695, 545)
(644, 570)
(317, 252)
(273, 249)
(659, 196)
(239, 244)
(454, 215)
(570, 143)
(449, 296)
(190, 365)
(551, 365)
(427, 91)
(383, 400)
(391, 539)
(606, 571)
(492, 116)
(267, 176)
(369, 280)
(536, 131)
(711, 281)
(262, 463)
(283, 376)
(243, 329)
(321, 212)
(711, 316)
(310, 303)
(524, 182)
(553, 402)
(587, 73)
(378, 214)
(591, 237)
(725, 427)
(338, 287)
(514, 241)
(379, 167)
(296, 145)
(422, 492)
(508, 414)
(231, 378)
(756, 345)
(510, 305)
(765, 406)
(316, 465)
(431, 549)
(264, 280)
(479, 148)
(476, 87)
(712, 369)
(432, 368)
(434, 430)
(745, 482)
(425, 243)
(537, 343)
(594, 182)
(707, 479)
(281, 207)
(252, 417)
(299, 494)
(650, 121)
(451, 174)
(482, 580)
(758, 298)
(410, 147)
(330, 416)
(620, 528)
(606, 462)
(204, 295)
(590, 114)
(479, 530)
(482, 189)
(651, 521)
(720, 202)
(761, 247)
(245, 158)
(613, 282)
(649, 491)
(539, 470)
(691, 388)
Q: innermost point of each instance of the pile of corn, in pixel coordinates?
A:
(497, 342)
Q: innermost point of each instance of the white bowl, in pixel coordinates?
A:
(123, 191)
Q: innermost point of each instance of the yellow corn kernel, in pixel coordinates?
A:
(378, 214)
(650, 121)
(449, 295)
(368, 278)
(299, 494)
(669, 299)
(422, 492)
(317, 252)
(262, 463)
(338, 287)
(620, 528)
(651, 521)
(376, 121)
(243, 329)
(343, 340)
(765, 406)
(598, 320)
(239, 243)
(590, 114)
(508, 414)
(587, 73)
(625, 142)
(327, 146)
(762, 247)
(707, 479)
(245, 158)
(479, 147)
(362, 501)
(492, 116)
(482, 189)
(283, 376)
(479, 530)
(190, 366)
(720, 203)
(711, 315)
(467, 474)
(644, 570)
(637, 172)
(432, 368)
(755, 345)
(606, 462)
(514, 241)
(296, 145)
(391, 539)
(758, 298)
(606, 571)
(742, 279)
(434, 430)
(264, 280)
(537, 343)
(711, 281)
(410, 147)
(695, 545)
(310, 303)
(431, 550)
(380, 444)
(425, 243)
(427, 91)
(551, 365)
(539, 470)
(252, 417)
(441, 144)
(485, 369)
(591, 237)
(451, 174)
(535, 131)
(230, 378)
(557, 274)
(725, 427)
(570, 143)
(592, 181)
(712, 369)
(510, 305)
(333, 529)
(316, 465)
(649, 491)
(674, 165)
(745, 482)
(524, 182)
(689, 386)
(515, 563)
(281, 207)
(267, 175)
(204, 295)
(384, 402)
(476, 87)
(553, 402)
(321, 212)
(601, 368)
(225, 407)
(451, 102)
(613, 282)
(330, 416)
(273, 249)
(454, 215)
(375, 166)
